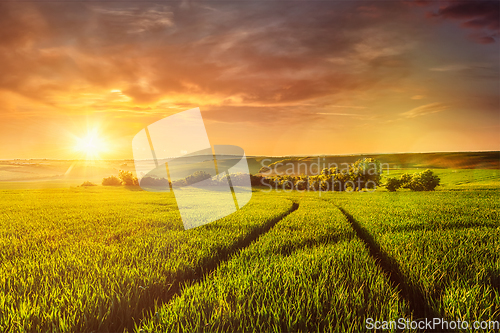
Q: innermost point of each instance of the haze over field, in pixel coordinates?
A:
(80, 79)
(55, 173)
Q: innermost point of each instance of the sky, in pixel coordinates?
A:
(273, 77)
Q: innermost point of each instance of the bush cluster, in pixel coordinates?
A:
(364, 173)
(111, 181)
(420, 181)
(128, 178)
(237, 179)
(149, 181)
(124, 178)
(196, 177)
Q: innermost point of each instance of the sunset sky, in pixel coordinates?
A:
(274, 77)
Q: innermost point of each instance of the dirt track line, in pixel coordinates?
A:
(201, 272)
(408, 292)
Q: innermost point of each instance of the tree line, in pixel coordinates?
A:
(365, 173)
(419, 181)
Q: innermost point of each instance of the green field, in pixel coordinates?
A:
(118, 259)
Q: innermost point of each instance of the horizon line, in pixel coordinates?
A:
(276, 156)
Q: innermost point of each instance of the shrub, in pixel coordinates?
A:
(197, 177)
(111, 181)
(424, 181)
(392, 184)
(128, 178)
(405, 180)
(179, 182)
(87, 183)
(256, 180)
(239, 179)
(154, 182)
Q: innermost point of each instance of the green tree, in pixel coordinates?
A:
(197, 177)
(154, 182)
(111, 181)
(392, 184)
(405, 180)
(301, 183)
(365, 172)
(424, 181)
(128, 178)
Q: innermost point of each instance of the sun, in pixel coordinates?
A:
(91, 145)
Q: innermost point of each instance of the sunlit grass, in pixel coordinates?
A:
(106, 259)
(309, 273)
(95, 259)
(447, 244)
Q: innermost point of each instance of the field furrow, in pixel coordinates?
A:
(105, 257)
(309, 273)
(443, 246)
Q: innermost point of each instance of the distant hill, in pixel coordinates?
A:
(68, 170)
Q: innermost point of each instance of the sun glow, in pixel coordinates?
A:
(91, 145)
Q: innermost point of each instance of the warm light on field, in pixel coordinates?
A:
(91, 145)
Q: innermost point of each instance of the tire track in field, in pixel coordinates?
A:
(406, 291)
(201, 272)
(245, 242)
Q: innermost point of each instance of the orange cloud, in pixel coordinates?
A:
(425, 110)
(256, 65)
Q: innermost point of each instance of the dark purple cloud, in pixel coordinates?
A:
(478, 15)
(248, 53)
(262, 52)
